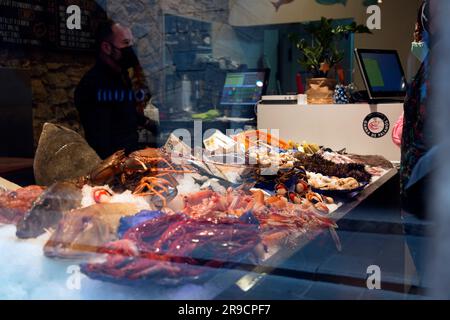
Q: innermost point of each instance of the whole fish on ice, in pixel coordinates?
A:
(81, 232)
(48, 209)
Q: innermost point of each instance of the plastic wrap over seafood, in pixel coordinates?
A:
(175, 248)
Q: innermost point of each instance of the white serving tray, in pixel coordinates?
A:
(5, 184)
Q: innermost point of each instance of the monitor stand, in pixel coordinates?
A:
(243, 111)
(363, 97)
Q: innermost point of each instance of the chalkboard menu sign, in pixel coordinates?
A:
(43, 23)
(23, 22)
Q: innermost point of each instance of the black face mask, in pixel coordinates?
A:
(128, 58)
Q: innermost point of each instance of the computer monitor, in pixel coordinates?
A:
(382, 73)
(244, 88)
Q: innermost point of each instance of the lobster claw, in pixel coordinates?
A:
(134, 164)
(104, 173)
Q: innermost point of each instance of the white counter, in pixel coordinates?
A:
(335, 126)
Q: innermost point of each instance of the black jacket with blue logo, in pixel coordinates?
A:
(107, 104)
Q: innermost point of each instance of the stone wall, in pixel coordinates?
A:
(56, 74)
(54, 77)
(145, 18)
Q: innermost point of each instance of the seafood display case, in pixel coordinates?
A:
(171, 223)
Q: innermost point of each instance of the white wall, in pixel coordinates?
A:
(255, 12)
(227, 43)
(398, 19)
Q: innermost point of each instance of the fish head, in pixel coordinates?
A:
(36, 220)
(77, 235)
(49, 209)
(82, 232)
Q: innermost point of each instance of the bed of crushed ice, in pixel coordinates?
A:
(25, 273)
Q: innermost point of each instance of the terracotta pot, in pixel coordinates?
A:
(320, 90)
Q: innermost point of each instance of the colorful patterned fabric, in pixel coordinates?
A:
(397, 131)
(415, 140)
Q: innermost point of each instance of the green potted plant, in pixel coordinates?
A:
(321, 55)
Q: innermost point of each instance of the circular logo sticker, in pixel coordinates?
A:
(376, 125)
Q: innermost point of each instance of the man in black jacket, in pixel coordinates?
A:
(105, 98)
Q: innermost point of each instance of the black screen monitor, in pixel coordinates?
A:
(382, 73)
(16, 114)
(245, 88)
